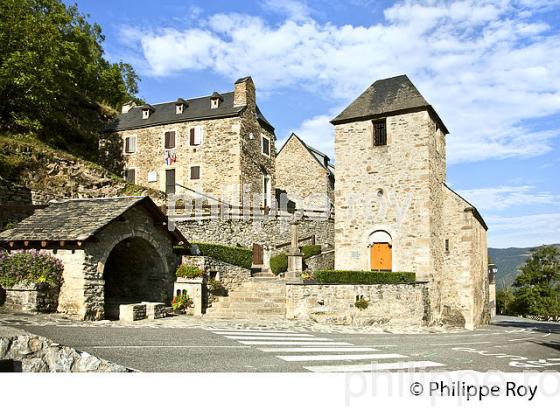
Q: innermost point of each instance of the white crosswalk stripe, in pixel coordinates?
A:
(263, 334)
(326, 349)
(279, 338)
(374, 367)
(284, 342)
(322, 349)
(339, 357)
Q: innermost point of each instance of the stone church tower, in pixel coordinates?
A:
(390, 199)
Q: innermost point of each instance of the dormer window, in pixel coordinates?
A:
(180, 106)
(215, 100)
(146, 111)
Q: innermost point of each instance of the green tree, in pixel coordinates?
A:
(53, 74)
(504, 301)
(537, 288)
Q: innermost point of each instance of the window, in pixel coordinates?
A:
(195, 172)
(169, 181)
(130, 145)
(179, 109)
(214, 103)
(130, 176)
(152, 176)
(196, 135)
(380, 133)
(266, 191)
(145, 114)
(447, 245)
(265, 146)
(170, 139)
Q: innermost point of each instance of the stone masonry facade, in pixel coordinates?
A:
(230, 157)
(391, 184)
(305, 175)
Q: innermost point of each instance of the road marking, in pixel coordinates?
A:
(459, 343)
(301, 343)
(338, 357)
(262, 334)
(372, 367)
(163, 347)
(315, 349)
(275, 338)
(252, 330)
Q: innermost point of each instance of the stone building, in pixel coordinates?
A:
(393, 209)
(305, 174)
(114, 250)
(219, 145)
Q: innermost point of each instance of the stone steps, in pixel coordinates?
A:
(257, 297)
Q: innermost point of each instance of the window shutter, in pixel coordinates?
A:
(198, 135)
(192, 134)
(195, 172)
(127, 144)
(170, 139)
(130, 176)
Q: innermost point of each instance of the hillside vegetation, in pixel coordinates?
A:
(508, 262)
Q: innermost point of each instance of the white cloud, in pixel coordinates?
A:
(504, 197)
(291, 8)
(524, 231)
(486, 66)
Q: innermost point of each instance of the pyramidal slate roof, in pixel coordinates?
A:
(195, 109)
(79, 219)
(384, 97)
(321, 158)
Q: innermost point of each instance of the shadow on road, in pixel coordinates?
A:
(544, 327)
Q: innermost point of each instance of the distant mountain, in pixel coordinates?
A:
(508, 261)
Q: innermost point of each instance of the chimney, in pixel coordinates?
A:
(128, 106)
(244, 92)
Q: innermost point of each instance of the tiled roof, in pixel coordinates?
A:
(78, 219)
(383, 97)
(195, 109)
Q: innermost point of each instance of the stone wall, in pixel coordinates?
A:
(391, 305)
(31, 297)
(465, 298)
(323, 261)
(268, 231)
(25, 352)
(231, 276)
(306, 182)
(230, 157)
(396, 188)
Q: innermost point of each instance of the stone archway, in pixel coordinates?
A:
(133, 273)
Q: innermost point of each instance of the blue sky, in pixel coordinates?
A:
(490, 68)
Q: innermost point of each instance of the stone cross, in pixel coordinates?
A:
(295, 257)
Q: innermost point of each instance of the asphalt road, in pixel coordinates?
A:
(509, 344)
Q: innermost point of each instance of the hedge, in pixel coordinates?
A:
(189, 272)
(310, 250)
(235, 256)
(353, 277)
(279, 263)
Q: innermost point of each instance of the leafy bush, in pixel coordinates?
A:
(504, 302)
(235, 256)
(215, 287)
(30, 266)
(361, 303)
(363, 277)
(181, 302)
(279, 263)
(189, 272)
(310, 250)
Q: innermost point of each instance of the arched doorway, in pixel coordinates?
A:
(381, 251)
(133, 273)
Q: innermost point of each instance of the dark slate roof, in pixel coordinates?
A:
(473, 208)
(321, 158)
(195, 109)
(79, 219)
(384, 97)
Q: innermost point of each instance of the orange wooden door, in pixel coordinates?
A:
(381, 256)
